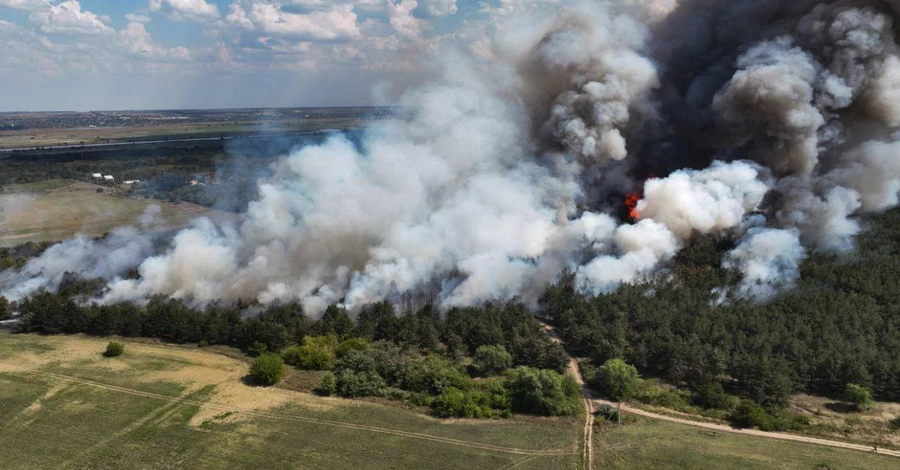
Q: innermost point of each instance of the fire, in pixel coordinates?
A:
(631, 203)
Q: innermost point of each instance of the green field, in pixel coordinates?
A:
(642, 443)
(63, 405)
(58, 209)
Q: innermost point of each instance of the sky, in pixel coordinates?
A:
(79, 55)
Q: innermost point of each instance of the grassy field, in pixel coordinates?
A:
(63, 405)
(54, 137)
(642, 443)
(58, 209)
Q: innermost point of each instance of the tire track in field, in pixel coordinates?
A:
(299, 419)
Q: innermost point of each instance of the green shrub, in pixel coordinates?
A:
(351, 383)
(267, 369)
(352, 344)
(257, 349)
(491, 360)
(617, 379)
(713, 396)
(203, 343)
(420, 399)
(114, 349)
(652, 392)
(490, 402)
(328, 385)
(860, 396)
(748, 414)
(5, 311)
(543, 392)
(395, 394)
(309, 357)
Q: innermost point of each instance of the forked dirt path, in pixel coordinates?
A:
(586, 393)
(324, 422)
(752, 432)
(587, 398)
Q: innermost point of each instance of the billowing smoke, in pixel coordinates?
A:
(771, 121)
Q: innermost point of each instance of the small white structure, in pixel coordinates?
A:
(108, 178)
(97, 175)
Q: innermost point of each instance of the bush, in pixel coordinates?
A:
(309, 357)
(4, 307)
(267, 369)
(860, 396)
(490, 402)
(351, 384)
(352, 344)
(713, 396)
(543, 392)
(748, 414)
(357, 376)
(617, 379)
(328, 385)
(652, 392)
(114, 349)
(491, 360)
(420, 399)
(257, 349)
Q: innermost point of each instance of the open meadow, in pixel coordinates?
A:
(58, 209)
(642, 443)
(64, 405)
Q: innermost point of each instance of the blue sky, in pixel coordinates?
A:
(131, 54)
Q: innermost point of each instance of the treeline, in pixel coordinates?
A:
(471, 362)
(840, 325)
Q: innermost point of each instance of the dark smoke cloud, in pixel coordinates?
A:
(774, 121)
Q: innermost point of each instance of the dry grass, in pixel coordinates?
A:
(836, 419)
(53, 137)
(58, 212)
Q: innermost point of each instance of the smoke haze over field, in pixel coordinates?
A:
(774, 121)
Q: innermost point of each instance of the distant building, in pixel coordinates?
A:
(194, 182)
(108, 178)
(97, 175)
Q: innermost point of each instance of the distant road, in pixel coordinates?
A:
(162, 141)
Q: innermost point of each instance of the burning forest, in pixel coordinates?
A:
(599, 140)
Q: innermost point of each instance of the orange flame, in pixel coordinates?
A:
(631, 203)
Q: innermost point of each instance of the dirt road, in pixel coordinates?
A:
(587, 398)
(750, 432)
(586, 393)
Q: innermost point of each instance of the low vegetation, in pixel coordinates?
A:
(267, 369)
(114, 349)
(484, 362)
(644, 443)
(125, 419)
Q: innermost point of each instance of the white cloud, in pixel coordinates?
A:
(193, 10)
(435, 8)
(135, 40)
(69, 18)
(238, 17)
(28, 5)
(137, 18)
(336, 23)
(402, 19)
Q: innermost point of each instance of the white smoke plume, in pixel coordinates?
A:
(769, 259)
(778, 116)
